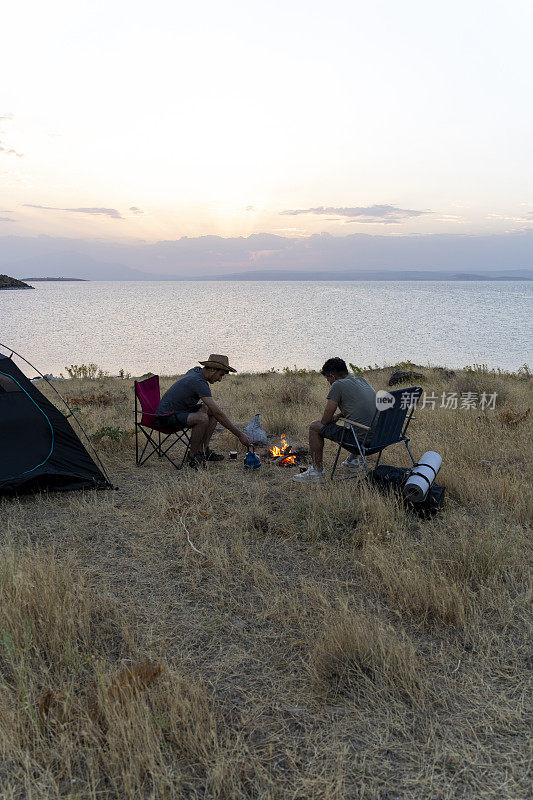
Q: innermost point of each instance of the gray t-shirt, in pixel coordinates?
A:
(185, 394)
(355, 397)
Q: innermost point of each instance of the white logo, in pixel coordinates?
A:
(384, 400)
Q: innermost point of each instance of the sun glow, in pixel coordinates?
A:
(196, 114)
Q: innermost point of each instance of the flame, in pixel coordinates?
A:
(288, 460)
(284, 450)
(276, 452)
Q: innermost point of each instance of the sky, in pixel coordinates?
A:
(129, 121)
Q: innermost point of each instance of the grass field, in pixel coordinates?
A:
(324, 643)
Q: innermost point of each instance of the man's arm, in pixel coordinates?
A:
(329, 413)
(219, 415)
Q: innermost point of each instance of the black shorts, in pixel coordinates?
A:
(335, 433)
(177, 420)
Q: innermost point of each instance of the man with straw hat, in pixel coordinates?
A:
(190, 405)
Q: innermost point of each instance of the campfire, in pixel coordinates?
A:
(284, 455)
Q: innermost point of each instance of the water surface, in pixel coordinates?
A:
(165, 327)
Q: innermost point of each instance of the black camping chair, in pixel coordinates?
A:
(389, 425)
(147, 395)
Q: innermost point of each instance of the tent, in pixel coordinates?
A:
(39, 450)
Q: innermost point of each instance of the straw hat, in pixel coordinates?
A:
(217, 362)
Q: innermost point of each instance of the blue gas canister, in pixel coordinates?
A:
(251, 460)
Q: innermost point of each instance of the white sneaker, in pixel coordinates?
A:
(353, 463)
(311, 475)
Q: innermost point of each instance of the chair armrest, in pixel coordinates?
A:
(151, 413)
(347, 421)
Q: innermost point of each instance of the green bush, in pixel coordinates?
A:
(298, 371)
(90, 371)
(113, 432)
(355, 369)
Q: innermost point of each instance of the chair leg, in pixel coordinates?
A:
(409, 451)
(136, 418)
(182, 462)
(338, 453)
(149, 441)
(361, 454)
(335, 462)
(159, 447)
(365, 464)
(185, 439)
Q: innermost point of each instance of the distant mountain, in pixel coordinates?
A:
(375, 275)
(54, 280)
(81, 267)
(77, 265)
(265, 256)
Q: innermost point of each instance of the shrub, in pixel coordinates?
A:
(405, 366)
(355, 369)
(90, 371)
(113, 432)
(298, 371)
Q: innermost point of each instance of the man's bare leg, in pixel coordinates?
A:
(211, 425)
(316, 443)
(198, 421)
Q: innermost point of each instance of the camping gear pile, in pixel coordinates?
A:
(394, 479)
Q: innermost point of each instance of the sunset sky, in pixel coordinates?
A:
(130, 120)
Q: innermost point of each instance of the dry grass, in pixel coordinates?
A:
(328, 644)
(358, 656)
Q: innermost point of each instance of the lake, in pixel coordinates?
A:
(166, 326)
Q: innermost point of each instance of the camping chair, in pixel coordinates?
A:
(148, 396)
(389, 426)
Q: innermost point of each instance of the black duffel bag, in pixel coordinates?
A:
(387, 479)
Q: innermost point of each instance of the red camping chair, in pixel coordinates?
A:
(147, 394)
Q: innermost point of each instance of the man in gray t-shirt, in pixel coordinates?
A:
(183, 397)
(356, 399)
(189, 404)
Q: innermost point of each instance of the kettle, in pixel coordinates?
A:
(251, 460)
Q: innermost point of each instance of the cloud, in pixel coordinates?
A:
(6, 219)
(5, 149)
(106, 212)
(8, 151)
(384, 214)
(527, 217)
(136, 211)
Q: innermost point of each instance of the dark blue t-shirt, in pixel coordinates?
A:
(185, 394)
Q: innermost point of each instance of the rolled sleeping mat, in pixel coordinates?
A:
(422, 476)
